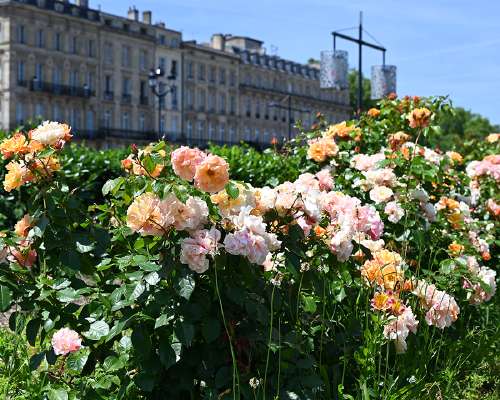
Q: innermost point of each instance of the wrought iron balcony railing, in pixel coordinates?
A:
(54, 88)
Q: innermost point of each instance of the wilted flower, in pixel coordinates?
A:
(419, 118)
(66, 341)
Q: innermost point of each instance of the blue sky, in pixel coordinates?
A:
(439, 46)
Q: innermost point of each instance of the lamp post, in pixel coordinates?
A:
(160, 90)
(289, 108)
(360, 42)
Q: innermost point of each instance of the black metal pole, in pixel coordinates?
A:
(159, 117)
(360, 65)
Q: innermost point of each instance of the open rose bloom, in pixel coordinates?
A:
(66, 341)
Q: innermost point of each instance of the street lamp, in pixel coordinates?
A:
(161, 89)
(289, 109)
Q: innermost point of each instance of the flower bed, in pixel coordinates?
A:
(184, 283)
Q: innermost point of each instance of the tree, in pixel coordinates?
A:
(353, 91)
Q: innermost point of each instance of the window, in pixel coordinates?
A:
(222, 103)
(108, 84)
(142, 122)
(162, 63)
(211, 102)
(125, 121)
(39, 71)
(74, 45)
(248, 134)
(91, 48)
(39, 110)
(212, 73)
(58, 41)
(143, 57)
(126, 86)
(173, 68)
(201, 100)
(189, 71)
(57, 76)
(125, 56)
(73, 78)
(232, 134)
(107, 119)
(143, 91)
(189, 98)
(175, 123)
(20, 71)
(189, 129)
(201, 129)
(163, 40)
(89, 123)
(222, 132)
(56, 112)
(201, 72)
(19, 112)
(108, 53)
(174, 98)
(222, 76)
(232, 104)
(40, 42)
(211, 131)
(248, 107)
(21, 34)
(232, 78)
(76, 118)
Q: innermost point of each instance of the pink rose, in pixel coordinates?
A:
(194, 250)
(325, 179)
(185, 161)
(66, 341)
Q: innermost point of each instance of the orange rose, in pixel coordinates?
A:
(212, 175)
(23, 226)
(373, 112)
(456, 249)
(14, 145)
(419, 118)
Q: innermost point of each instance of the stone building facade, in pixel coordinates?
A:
(69, 62)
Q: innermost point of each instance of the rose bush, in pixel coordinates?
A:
(186, 284)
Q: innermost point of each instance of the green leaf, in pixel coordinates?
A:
(5, 298)
(36, 360)
(112, 185)
(308, 304)
(32, 330)
(97, 330)
(185, 286)
(77, 360)
(113, 363)
(167, 354)
(57, 394)
(141, 341)
(232, 190)
(185, 332)
(149, 266)
(163, 320)
(210, 330)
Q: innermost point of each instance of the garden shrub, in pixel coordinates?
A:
(363, 276)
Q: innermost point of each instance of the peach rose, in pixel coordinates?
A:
(212, 174)
(419, 118)
(23, 226)
(18, 175)
(185, 161)
(51, 133)
(321, 149)
(14, 145)
(373, 112)
(148, 215)
(66, 341)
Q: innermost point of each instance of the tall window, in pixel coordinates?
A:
(222, 132)
(222, 103)
(232, 78)
(125, 121)
(211, 102)
(175, 123)
(211, 73)
(20, 71)
(39, 71)
(189, 72)
(142, 122)
(232, 104)
(162, 63)
(107, 119)
(173, 67)
(90, 80)
(91, 48)
(232, 133)
(126, 56)
(175, 104)
(56, 112)
(248, 107)
(108, 53)
(126, 86)
(21, 34)
(201, 129)
(57, 76)
(201, 100)
(143, 90)
(189, 129)
(108, 84)
(143, 56)
(39, 110)
(89, 123)
(222, 76)
(74, 45)
(57, 41)
(40, 38)
(19, 112)
(73, 78)
(201, 72)
(189, 98)
(211, 131)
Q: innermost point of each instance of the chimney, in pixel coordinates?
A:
(133, 14)
(218, 41)
(82, 3)
(147, 17)
(161, 24)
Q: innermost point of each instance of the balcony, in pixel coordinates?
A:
(105, 133)
(54, 88)
(109, 95)
(126, 98)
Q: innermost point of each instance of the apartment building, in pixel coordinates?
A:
(67, 61)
